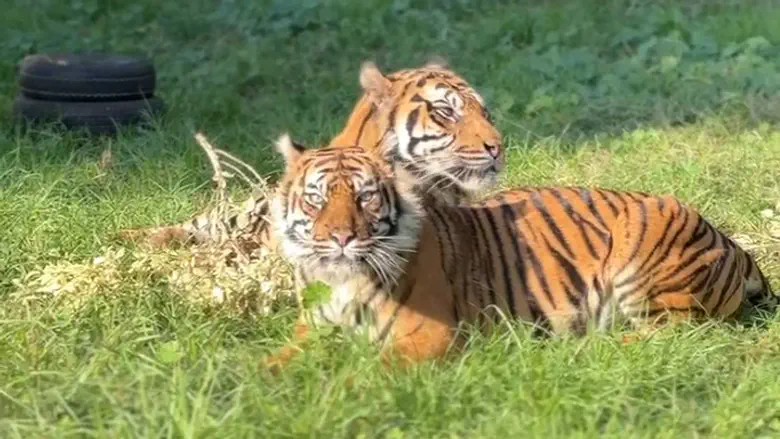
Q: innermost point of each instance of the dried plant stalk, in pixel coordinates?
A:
(217, 216)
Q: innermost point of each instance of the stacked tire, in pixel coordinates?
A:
(98, 93)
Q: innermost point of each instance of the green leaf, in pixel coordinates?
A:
(395, 433)
(730, 49)
(539, 103)
(169, 353)
(315, 293)
(669, 63)
(757, 44)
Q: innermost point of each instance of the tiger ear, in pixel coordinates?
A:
(290, 150)
(374, 83)
(437, 62)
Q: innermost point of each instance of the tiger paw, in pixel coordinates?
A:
(641, 334)
(276, 363)
(272, 365)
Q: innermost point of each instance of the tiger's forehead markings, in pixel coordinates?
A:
(434, 75)
(445, 79)
(450, 85)
(329, 167)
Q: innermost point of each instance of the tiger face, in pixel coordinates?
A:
(437, 127)
(338, 213)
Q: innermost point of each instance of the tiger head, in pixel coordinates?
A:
(436, 125)
(339, 212)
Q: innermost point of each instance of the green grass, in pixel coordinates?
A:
(666, 97)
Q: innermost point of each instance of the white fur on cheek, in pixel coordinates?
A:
(402, 140)
(290, 249)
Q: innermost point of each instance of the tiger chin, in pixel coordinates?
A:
(564, 259)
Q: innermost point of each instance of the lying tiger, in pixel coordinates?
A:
(429, 119)
(563, 258)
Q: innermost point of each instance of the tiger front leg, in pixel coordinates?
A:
(410, 350)
(418, 333)
(275, 363)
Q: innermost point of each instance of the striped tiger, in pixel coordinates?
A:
(565, 259)
(428, 119)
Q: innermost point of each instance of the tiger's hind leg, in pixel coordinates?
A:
(667, 264)
(645, 314)
(248, 225)
(758, 292)
(162, 236)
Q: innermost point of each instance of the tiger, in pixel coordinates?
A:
(407, 273)
(428, 119)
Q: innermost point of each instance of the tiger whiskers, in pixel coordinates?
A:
(443, 184)
(300, 248)
(449, 172)
(378, 268)
(385, 257)
(387, 264)
(446, 184)
(398, 243)
(391, 254)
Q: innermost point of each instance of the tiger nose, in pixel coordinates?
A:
(493, 150)
(342, 238)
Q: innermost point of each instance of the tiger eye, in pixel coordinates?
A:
(446, 112)
(367, 197)
(312, 198)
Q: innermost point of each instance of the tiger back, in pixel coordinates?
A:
(427, 119)
(564, 259)
(569, 258)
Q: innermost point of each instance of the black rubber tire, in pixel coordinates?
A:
(96, 117)
(86, 77)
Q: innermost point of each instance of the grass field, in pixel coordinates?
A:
(665, 97)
